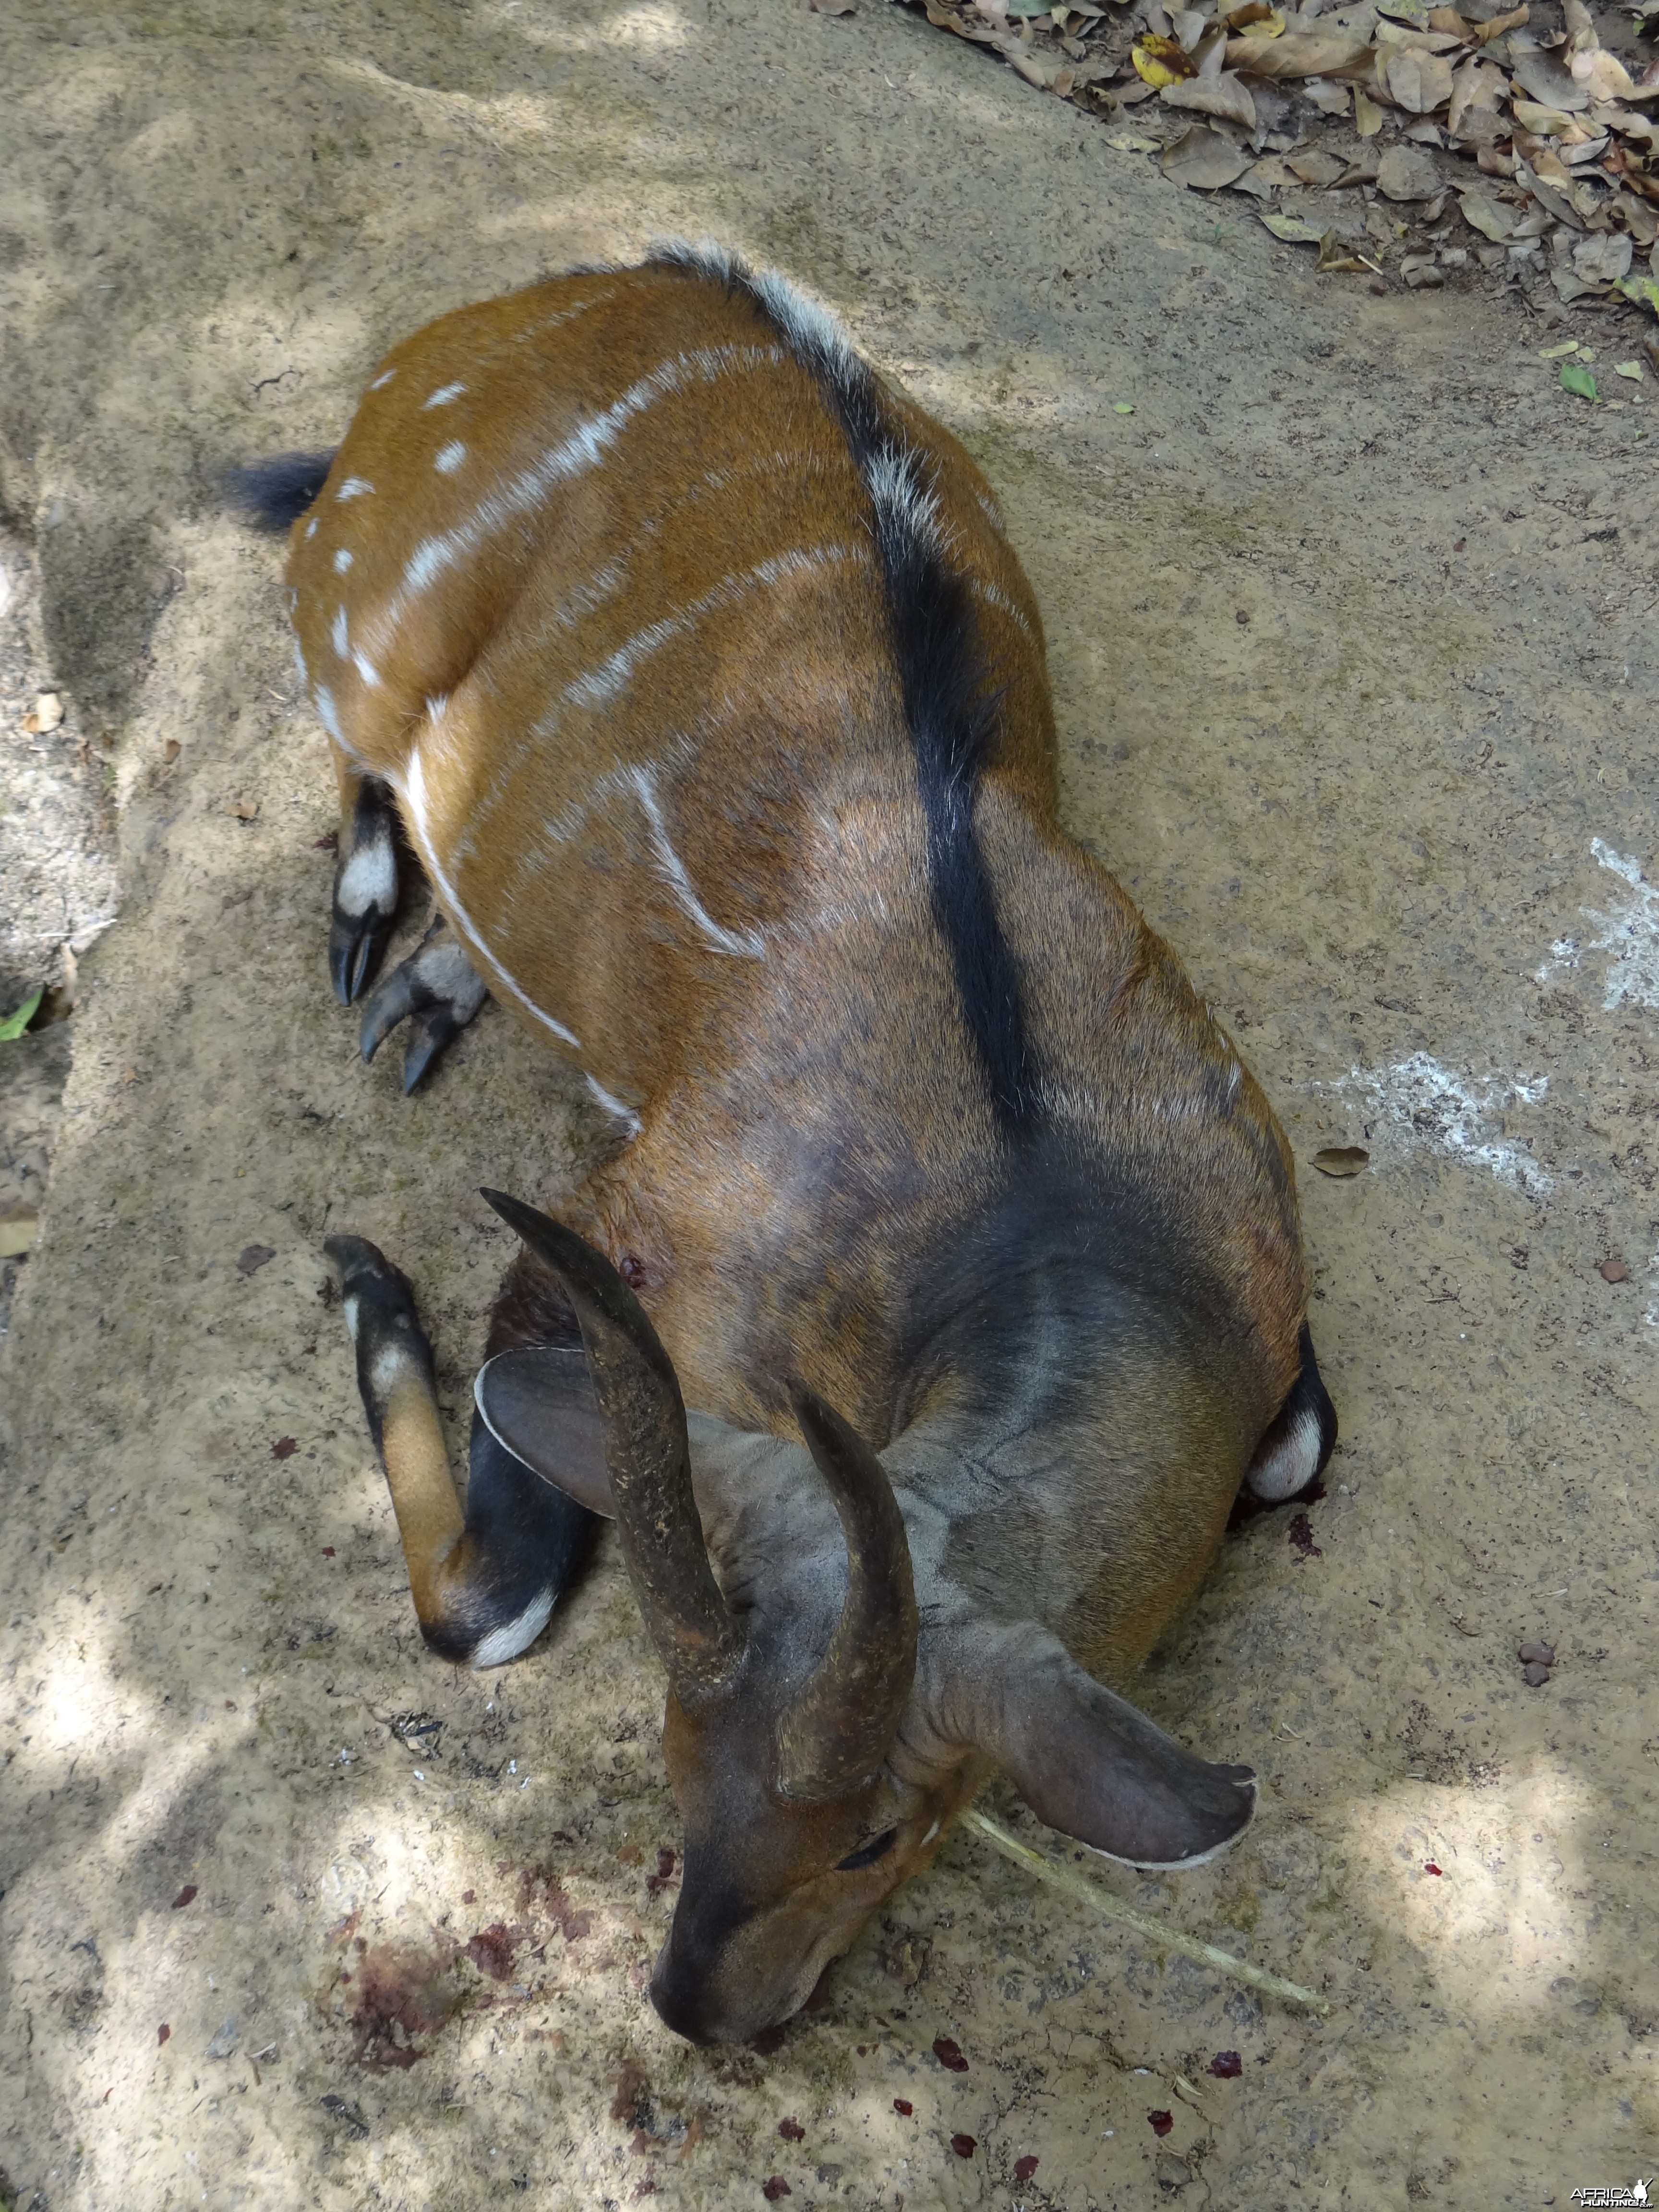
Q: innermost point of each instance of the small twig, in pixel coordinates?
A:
(1144, 1923)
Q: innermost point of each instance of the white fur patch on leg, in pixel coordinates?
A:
(516, 1636)
(369, 879)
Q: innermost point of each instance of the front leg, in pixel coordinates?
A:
(365, 882)
(485, 1577)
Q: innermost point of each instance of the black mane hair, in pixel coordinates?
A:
(951, 706)
(271, 495)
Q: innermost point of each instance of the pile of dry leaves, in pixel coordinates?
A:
(1360, 125)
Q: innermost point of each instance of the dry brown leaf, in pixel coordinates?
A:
(1448, 19)
(1602, 74)
(1337, 252)
(1485, 33)
(833, 7)
(1299, 53)
(1602, 260)
(1489, 216)
(19, 1227)
(1367, 115)
(1475, 86)
(1403, 173)
(1553, 201)
(240, 809)
(1316, 168)
(171, 751)
(1420, 81)
(1420, 270)
(1204, 160)
(1548, 81)
(1542, 122)
(1224, 95)
(46, 715)
(1268, 175)
(1327, 95)
(1580, 26)
(1159, 61)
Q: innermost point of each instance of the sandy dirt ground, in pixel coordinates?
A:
(1351, 623)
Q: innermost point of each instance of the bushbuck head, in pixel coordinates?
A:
(834, 1698)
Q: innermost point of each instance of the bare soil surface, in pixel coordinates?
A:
(1351, 623)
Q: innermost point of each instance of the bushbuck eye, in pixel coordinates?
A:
(867, 1854)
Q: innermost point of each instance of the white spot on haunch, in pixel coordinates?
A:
(613, 1106)
(366, 668)
(585, 448)
(355, 487)
(1419, 1102)
(449, 458)
(443, 395)
(323, 700)
(384, 378)
(311, 528)
(342, 561)
(515, 1636)
(749, 943)
(339, 636)
(300, 664)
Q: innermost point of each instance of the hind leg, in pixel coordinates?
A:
(484, 1576)
(364, 881)
(439, 987)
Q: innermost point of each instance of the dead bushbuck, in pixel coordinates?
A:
(698, 667)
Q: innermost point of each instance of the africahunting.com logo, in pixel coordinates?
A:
(1636, 2194)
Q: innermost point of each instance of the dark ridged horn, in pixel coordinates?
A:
(647, 1458)
(836, 1732)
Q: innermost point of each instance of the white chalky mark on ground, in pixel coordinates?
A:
(449, 458)
(1631, 933)
(1418, 1102)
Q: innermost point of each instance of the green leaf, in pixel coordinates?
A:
(1642, 291)
(1122, 407)
(1574, 378)
(14, 1024)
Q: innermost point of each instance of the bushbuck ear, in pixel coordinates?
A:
(540, 1405)
(1088, 1764)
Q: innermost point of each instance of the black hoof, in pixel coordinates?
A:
(365, 894)
(438, 986)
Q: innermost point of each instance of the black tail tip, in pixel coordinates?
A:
(271, 495)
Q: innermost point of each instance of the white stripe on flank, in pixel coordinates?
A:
(614, 1106)
(449, 459)
(342, 561)
(380, 381)
(366, 668)
(300, 663)
(311, 528)
(442, 396)
(338, 635)
(582, 450)
(748, 944)
(606, 681)
(410, 787)
(994, 596)
(354, 487)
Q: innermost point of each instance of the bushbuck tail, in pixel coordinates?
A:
(695, 664)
